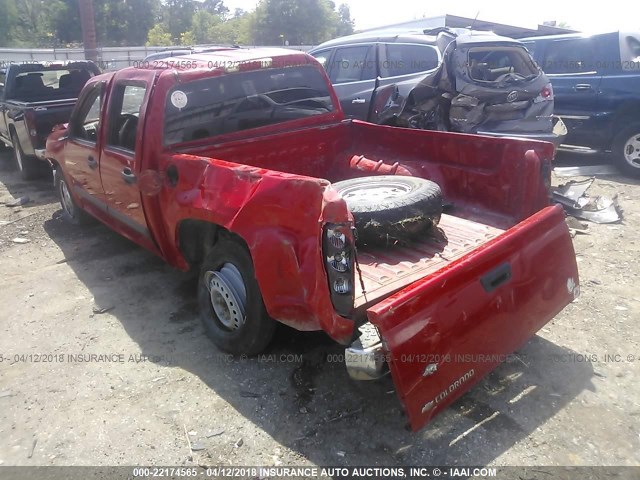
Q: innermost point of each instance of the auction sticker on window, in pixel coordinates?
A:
(179, 99)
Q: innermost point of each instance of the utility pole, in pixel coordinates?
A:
(88, 21)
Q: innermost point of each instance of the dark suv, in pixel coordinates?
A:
(596, 79)
(462, 81)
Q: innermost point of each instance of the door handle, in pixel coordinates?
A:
(498, 276)
(358, 100)
(93, 164)
(581, 87)
(128, 175)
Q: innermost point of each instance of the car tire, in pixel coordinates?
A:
(390, 208)
(231, 305)
(27, 165)
(626, 150)
(71, 212)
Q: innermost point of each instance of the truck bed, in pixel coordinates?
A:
(387, 270)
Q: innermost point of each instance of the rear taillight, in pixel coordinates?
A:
(338, 245)
(30, 121)
(546, 94)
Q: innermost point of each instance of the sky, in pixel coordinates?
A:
(587, 16)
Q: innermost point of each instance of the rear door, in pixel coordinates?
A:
(571, 67)
(401, 67)
(445, 332)
(82, 149)
(352, 71)
(121, 160)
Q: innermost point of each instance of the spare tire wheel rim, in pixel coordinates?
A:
(376, 191)
(632, 151)
(228, 295)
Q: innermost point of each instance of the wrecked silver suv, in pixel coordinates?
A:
(460, 81)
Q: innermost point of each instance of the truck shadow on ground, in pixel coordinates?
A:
(299, 392)
(40, 191)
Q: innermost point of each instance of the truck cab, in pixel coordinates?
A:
(33, 98)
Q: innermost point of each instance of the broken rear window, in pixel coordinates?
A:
(240, 101)
(501, 64)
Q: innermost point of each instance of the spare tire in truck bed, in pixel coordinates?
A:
(388, 208)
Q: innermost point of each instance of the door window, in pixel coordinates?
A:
(323, 58)
(87, 124)
(124, 116)
(569, 56)
(404, 59)
(350, 64)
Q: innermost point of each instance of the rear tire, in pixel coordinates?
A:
(388, 208)
(27, 165)
(626, 150)
(71, 212)
(231, 305)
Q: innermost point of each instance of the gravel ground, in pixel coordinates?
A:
(72, 292)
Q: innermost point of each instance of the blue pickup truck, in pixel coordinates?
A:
(596, 82)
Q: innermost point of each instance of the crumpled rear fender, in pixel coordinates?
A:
(280, 218)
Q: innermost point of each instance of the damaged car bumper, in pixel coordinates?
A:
(556, 137)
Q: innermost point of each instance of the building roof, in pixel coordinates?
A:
(454, 21)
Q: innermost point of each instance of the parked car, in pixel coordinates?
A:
(178, 52)
(596, 80)
(442, 79)
(33, 98)
(227, 166)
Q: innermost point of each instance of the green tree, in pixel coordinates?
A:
(345, 23)
(35, 25)
(159, 36)
(202, 25)
(300, 22)
(234, 31)
(8, 19)
(122, 23)
(66, 21)
(177, 17)
(215, 7)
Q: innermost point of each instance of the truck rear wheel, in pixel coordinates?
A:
(626, 149)
(26, 164)
(231, 305)
(387, 208)
(71, 212)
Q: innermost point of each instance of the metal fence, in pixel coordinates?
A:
(109, 58)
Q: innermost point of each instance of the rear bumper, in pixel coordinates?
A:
(545, 137)
(365, 358)
(556, 137)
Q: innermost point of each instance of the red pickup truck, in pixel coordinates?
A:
(225, 162)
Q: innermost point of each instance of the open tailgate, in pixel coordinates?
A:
(446, 331)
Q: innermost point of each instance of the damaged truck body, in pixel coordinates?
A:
(225, 163)
(459, 81)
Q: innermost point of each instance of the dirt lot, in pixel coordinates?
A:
(561, 403)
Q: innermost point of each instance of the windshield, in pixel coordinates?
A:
(49, 84)
(240, 101)
(501, 65)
